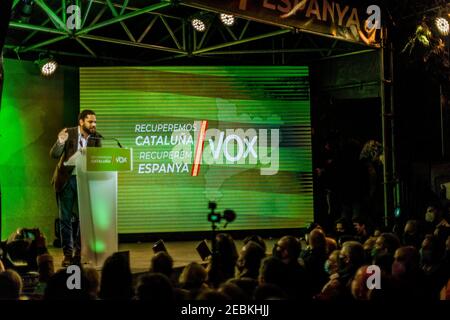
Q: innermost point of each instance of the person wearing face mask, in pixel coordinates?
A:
(429, 256)
(350, 258)
(331, 266)
(411, 235)
(330, 290)
(435, 219)
(342, 231)
(433, 263)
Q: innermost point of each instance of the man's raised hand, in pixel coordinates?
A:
(63, 136)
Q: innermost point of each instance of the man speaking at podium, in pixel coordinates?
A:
(65, 182)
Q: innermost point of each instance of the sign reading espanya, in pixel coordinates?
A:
(343, 19)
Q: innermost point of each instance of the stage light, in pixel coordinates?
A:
(198, 24)
(227, 19)
(201, 21)
(47, 66)
(397, 212)
(442, 25)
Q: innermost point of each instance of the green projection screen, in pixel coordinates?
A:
(239, 136)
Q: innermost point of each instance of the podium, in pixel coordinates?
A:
(97, 170)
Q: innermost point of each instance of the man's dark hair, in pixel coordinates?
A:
(83, 114)
(360, 221)
(391, 242)
(253, 256)
(162, 262)
(155, 287)
(257, 239)
(116, 279)
(269, 291)
(273, 270)
(313, 226)
(355, 252)
(293, 246)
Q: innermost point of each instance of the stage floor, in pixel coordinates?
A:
(182, 252)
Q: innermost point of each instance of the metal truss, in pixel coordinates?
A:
(160, 26)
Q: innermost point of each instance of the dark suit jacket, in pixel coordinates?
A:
(63, 152)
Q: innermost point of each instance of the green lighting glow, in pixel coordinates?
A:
(98, 246)
(17, 177)
(101, 213)
(31, 115)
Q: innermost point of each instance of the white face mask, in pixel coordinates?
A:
(429, 216)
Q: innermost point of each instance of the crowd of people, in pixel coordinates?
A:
(328, 265)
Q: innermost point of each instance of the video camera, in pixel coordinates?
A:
(216, 217)
(24, 234)
(22, 248)
(213, 216)
(31, 234)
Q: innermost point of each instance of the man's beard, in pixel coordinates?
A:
(88, 131)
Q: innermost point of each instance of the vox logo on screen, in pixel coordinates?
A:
(194, 144)
(239, 146)
(246, 149)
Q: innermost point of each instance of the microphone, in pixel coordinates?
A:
(118, 143)
(99, 137)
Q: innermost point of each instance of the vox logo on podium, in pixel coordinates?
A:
(121, 160)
